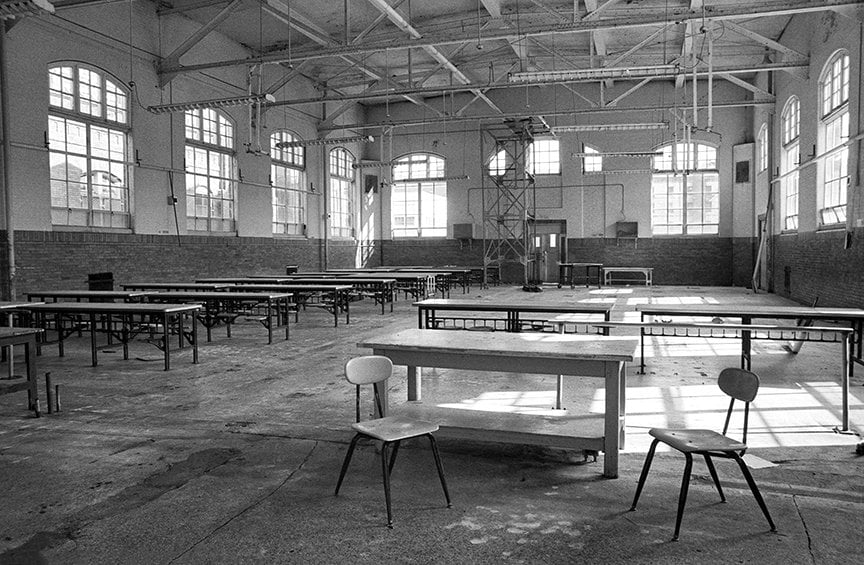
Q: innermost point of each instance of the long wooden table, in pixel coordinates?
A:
(122, 321)
(176, 286)
(87, 295)
(567, 273)
(428, 311)
(852, 317)
(337, 295)
(10, 337)
(554, 354)
(224, 307)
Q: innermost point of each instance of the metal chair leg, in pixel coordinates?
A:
(645, 467)
(346, 462)
(385, 471)
(440, 467)
(713, 471)
(682, 498)
(393, 455)
(754, 489)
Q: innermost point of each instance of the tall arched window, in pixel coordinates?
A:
(833, 135)
(685, 190)
(288, 179)
(418, 201)
(341, 193)
(88, 147)
(211, 171)
(762, 147)
(543, 157)
(789, 125)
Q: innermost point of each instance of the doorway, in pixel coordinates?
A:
(548, 248)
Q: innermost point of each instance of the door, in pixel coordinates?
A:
(547, 249)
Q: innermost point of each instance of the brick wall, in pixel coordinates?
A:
(820, 264)
(432, 252)
(63, 259)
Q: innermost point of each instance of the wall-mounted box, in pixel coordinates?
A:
(463, 231)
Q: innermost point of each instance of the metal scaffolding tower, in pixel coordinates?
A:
(509, 200)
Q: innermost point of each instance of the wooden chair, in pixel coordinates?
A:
(739, 384)
(390, 430)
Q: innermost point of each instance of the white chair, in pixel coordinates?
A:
(375, 370)
(739, 385)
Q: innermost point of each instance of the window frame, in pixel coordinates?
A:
(213, 135)
(342, 195)
(288, 195)
(421, 177)
(700, 171)
(549, 166)
(591, 164)
(834, 116)
(790, 128)
(100, 111)
(762, 147)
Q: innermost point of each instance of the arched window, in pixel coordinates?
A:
(833, 135)
(288, 179)
(543, 157)
(762, 147)
(211, 171)
(341, 193)
(685, 190)
(418, 201)
(592, 161)
(789, 125)
(88, 147)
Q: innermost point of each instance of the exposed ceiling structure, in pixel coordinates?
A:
(371, 51)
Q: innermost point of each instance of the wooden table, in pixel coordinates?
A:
(567, 273)
(224, 307)
(86, 295)
(852, 317)
(382, 289)
(554, 354)
(428, 311)
(177, 286)
(646, 272)
(123, 321)
(305, 295)
(10, 337)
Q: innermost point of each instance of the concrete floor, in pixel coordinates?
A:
(234, 460)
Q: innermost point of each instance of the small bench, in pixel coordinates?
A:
(646, 272)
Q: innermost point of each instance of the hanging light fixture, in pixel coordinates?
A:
(610, 127)
(213, 103)
(17, 8)
(600, 73)
(325, 141)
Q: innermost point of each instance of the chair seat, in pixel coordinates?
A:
(394, 428)
(694, 441)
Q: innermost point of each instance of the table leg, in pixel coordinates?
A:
(165, 339)
(613, 419)
(93, 338)
(414, 383)
(195, 336)
(270, 322)
(846, 367)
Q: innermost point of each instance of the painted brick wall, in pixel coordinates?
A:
(819, 264)
(708, 261)
(432, 252)
(64, 259)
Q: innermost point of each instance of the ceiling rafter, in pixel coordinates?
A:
(717, 13)
(397, 19)
(746, 85)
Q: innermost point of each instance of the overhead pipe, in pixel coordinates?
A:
(9, 294)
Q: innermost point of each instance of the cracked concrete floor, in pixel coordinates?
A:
(234, 460)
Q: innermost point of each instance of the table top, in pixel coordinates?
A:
(341, 280)
(752, 311)
(580, 264)
(246, 280)
(97, 294)
(510, 306)
(556, 346)
(112, 307)
(217, 295)
(176, 285)
(14, 304)
(290, 287)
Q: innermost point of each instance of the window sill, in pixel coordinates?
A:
(831, 227)
(89, 229)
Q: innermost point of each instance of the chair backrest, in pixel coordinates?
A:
(365, 370)
(742, 385)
